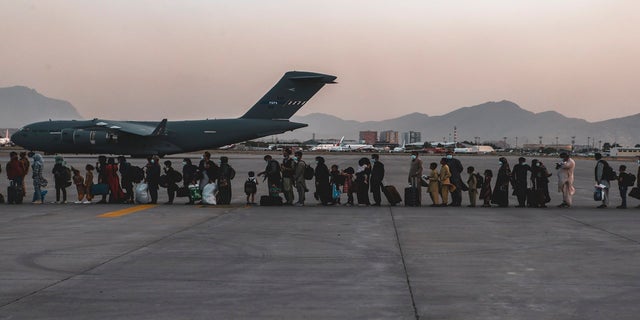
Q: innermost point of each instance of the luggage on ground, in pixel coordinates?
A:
(268, 201)
(14, 193)
(392, 195)
(635, 193)
(598, 194)
(101, 189)
(194, 192)
(141, 193)
(209, 194)
(411, 197)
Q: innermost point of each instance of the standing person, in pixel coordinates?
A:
(565, 179)
(173, 177)
(348, 187)
(153, 178)
(337, 180)
(24, 161)
(434, 184)
(271, 173)
(472, 182)
(362, 181)
(540, 180)
(78, 180)
(288, 169)
(603, 176)
(623, 184)
(638, 178)
(226, 174)
(377, 175)
(15, 174)
(88, 183)
(456, 168)
(520, 181)
(501, 191)
(38, 180)
(251, 187)
(444, 177)
(322, 177)
(113, 180)
(298, 177)
(485, 192)
(415, 174)
(126, 173)
(189, 175)
(207, 170)
(62, 177)
(101, 169)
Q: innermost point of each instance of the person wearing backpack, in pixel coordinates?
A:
(271, 173)
(287, 168)
(299, 178)
(250, 188)
(624, 181)
(126, 173)
(603, 175)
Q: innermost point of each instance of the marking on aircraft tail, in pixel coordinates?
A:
(292, 89)
(119, 213)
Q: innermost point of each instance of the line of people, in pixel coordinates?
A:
(116, 179)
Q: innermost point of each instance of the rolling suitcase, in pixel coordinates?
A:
(411, 197)
(392, 195)
(14, 193)
(270, 201)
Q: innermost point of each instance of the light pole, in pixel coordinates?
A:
(589, 143)
(573, 142)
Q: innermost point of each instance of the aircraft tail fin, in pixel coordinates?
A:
(288, 95)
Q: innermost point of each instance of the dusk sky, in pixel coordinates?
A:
(135, 60)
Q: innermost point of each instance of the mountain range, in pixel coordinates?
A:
(490, 121)
(22, 105)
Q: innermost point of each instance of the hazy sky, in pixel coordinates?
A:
(197, 59)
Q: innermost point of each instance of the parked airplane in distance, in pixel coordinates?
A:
(269, 116)
(6, 140)
(328, 146)
(342, 147)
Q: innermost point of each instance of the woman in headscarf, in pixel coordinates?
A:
(323, 188)
(38, 180)
(501, 190)
(226, 173)
(540, 178)
(116, 195)
(362, 181)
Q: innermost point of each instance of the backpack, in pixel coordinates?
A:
(479, 181)
(308, 173)
(628, 179)
(250, 187)
(607, 172)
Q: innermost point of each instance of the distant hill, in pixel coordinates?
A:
(21, 105)
(490, 121)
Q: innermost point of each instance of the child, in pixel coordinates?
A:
(434, 185)
(473, 183)
(78, 180)
(622, 186)
(485, 192)
(348, 185)
(88, 183)
(251, 187)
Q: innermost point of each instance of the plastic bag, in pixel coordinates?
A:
(209, 194)
(142, 193)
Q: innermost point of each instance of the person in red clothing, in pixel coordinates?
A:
(15, 172)
(116, 195)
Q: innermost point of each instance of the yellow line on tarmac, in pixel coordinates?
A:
(126, 211)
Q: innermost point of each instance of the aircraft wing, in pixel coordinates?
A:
(132, 127)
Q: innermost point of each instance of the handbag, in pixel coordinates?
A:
(100, 189)
(598, 194)
(634, 193)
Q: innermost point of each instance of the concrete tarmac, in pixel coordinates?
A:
(239, 262)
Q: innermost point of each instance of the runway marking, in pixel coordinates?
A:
(126, 211)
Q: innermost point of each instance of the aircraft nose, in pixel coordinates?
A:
(17, 138)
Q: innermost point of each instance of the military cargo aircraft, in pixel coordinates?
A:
(270, 115)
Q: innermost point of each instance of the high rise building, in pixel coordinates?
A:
(389, 136)
(369, 137)
(411, 137)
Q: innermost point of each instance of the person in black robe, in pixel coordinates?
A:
(227, 173)
(540, 179)
(322, 176)
(456, 168)
(520, 181)
(153, 178)
(375, 183)
(501, 190)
